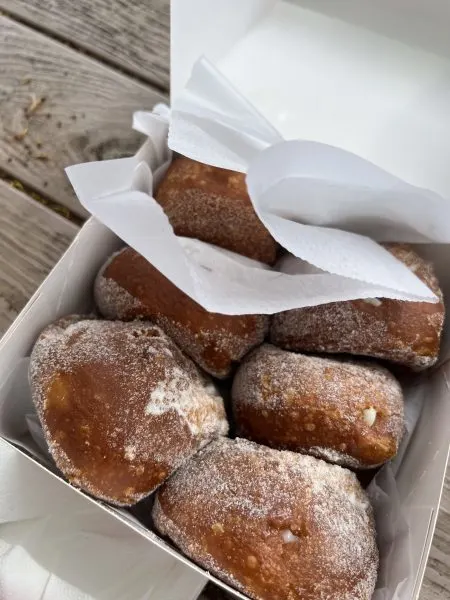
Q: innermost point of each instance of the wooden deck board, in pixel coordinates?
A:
(59, 108)
(32, 239)
(131, 35)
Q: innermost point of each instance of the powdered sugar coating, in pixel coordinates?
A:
(275, 524)
(403, 332)
(319, 406)
(233, 345)
(129, 287)
(213, 205)
(178, 392)
(113, 301)
(92, 383)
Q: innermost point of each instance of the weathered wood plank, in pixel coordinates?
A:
(131, 35)
(58, 108)
(32, 238)
(436, 585)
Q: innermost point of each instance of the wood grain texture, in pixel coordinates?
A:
(436, 584)
(59, 108)
(32, 238)
(132, 35)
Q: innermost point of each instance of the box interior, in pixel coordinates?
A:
(371, 78)
(68, 289)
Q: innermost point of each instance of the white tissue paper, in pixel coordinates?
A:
(54, 544)
(318, 202)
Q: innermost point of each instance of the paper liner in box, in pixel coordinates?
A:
(349, 265)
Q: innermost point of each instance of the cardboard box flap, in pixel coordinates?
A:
(318, 76)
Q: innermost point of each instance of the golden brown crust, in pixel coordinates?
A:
(213, 205)
(345, 412)
(276, 525)
(129, 287)
(121, 407)
(407, 333)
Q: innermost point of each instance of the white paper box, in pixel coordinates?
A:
(217, 28)
(369, 77)
(419, 478)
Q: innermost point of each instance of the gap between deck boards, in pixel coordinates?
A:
(35, 196)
